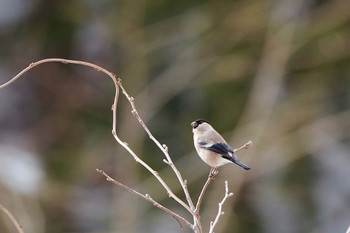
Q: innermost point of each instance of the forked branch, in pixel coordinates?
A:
(167, 159)
(220, 212)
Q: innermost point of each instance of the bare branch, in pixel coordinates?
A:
(12, 218)
(220, 212)
(64, 61)
(245, 146)
(147, 197)
(213, 172)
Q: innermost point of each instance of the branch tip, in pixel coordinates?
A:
(245, 146)
(98, 170)
(248, 144)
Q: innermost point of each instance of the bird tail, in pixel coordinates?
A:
(239, 163)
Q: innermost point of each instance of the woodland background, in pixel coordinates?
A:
(274, 72)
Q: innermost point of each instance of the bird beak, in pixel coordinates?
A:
(193, 124)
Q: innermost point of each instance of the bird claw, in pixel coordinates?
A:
(213, 172)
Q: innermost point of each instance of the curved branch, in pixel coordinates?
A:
(64, 61)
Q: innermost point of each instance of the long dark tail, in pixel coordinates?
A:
(239, 163)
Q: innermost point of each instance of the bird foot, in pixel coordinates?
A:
(213, 172)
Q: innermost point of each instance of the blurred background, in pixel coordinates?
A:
(274, 72)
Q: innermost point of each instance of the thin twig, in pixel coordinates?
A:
(64, 61)
(220, 212)
(12, 218)
(147, 198)
(212, 173)
(245, 146)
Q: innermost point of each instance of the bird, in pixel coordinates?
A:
(212, 147)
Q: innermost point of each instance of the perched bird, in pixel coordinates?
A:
(212, 147)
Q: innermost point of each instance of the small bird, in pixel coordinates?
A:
(212, 147)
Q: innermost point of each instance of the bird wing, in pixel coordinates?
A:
(220, 148)
(225, 150)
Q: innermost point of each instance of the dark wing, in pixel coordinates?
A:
(220, 148)
(225, 151)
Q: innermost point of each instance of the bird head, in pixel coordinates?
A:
(196, 123)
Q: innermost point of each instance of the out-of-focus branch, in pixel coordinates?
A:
(220, 212)
(147, 197)
(12, 218)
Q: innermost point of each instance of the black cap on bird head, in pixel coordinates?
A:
(197, 122)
